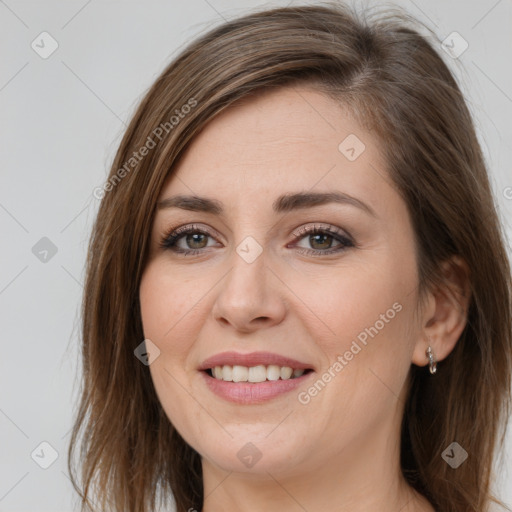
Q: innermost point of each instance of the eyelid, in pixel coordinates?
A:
(300, 232)
(341, 236)
(176, 232)
(190, 227)
(318, 226)
(173, 234)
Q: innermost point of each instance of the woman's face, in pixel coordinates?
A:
(250, 277)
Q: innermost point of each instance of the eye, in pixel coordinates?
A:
(194, 238)
(321, 238)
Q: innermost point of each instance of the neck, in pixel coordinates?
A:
(366, 475)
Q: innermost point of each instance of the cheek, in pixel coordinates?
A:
(166, 303)
(360, 301)
(167, 322)
(154, 305)
(369, 314)
(369, 357)
(162, 306)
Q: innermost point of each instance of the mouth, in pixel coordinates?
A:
(253, 378)
(255, 374)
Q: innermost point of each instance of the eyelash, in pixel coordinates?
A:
(168, 241)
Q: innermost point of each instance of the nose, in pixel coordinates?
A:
(250, 296)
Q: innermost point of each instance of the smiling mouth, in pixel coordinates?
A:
(255, 374)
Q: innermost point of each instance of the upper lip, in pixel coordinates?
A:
(252, 359)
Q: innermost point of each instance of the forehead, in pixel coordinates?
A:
(291, 137)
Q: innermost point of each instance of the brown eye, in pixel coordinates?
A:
(187, 240)
(196, 240)
(321, 240)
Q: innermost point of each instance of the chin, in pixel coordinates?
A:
(245, 454)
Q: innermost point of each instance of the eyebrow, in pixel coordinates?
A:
(283, 204)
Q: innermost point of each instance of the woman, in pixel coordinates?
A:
(297, 293)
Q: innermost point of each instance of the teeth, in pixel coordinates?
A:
(258, 373)
(273, 372)
(225, 373)
(286, 372)
(240, 373)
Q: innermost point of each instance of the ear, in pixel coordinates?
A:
(446, 311)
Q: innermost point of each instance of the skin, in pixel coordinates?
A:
(340, 451)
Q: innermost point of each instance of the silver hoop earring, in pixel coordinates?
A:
(432, 360)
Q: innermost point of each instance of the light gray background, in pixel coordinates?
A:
(62, 118)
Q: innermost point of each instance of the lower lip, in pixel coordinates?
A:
(252, 393)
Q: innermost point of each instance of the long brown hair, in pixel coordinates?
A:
(399, 87)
